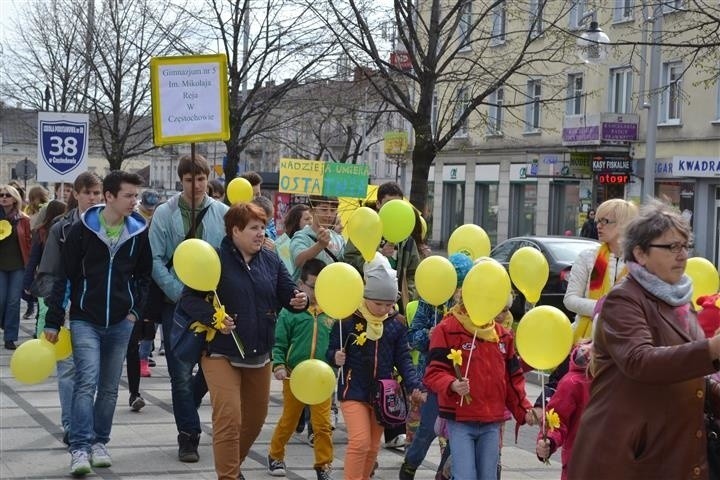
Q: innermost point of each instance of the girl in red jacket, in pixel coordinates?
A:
(475, 404)
(568, 402)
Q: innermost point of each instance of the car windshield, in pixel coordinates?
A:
(567, 250)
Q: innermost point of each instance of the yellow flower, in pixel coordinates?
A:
(5, 229)
(553, 419)
(219, 317)
(359, 327)
(455, 356)
(360, 339)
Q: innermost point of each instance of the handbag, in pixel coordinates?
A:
(186, 344)
(389, 403)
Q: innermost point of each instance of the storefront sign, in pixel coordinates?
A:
(682, 166)
(597, 129)
(613, 178)
(607, 163)
(453, 173)
(580, 163)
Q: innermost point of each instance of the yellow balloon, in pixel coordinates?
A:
(423, 228)
(435, 279)
(398, 220)
(197, 264)
(704, 277)
(485, 291)
(529, 271)
(33, 361)
(471, 240)
(239, 190)
(544, 337)
(365, 230)
(411, 310)
(5, 229)
(312, 381)
(339, 290)
(63, 347)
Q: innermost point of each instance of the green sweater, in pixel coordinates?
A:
(300, 336)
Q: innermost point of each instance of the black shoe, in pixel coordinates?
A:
(276, 468)
(188, 447)
(136, 403)
(323, 474)
(10, 345)
(29, 313)
(406, 472)
(66, 438)
(151, 362)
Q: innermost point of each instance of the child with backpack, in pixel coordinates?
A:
(298, 337)
(367, 346)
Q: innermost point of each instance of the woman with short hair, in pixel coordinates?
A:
(645, 414)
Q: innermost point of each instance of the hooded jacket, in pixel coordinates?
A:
(106, 282)
(300, 336)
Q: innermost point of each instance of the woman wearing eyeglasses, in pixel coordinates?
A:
(596, 270)
(14, 251)
(645, 414)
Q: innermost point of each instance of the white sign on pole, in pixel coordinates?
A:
(62, 146)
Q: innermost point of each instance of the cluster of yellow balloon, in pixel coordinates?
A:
(471, 240)
(704, 277)
(364, 228)
(33, 361)
(398, 220)
(197, 264)
(485, 291)
(544, 337)
(339, 290)
(435, 280)
(312, 381)
(239, 190)
(529, 271)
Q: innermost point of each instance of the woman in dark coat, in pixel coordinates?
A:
(645, 415)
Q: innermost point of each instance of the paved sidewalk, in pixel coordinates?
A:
(143, 444)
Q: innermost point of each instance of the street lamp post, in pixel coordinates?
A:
(648, 184)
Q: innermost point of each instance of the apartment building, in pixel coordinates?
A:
(550, 146)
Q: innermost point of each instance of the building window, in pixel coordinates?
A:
(495, 112)
(577, 10)
(620, 90)
(462, 100)
(623, 10)
(575, 95)
(532, 109)
(536, 21)
(671, 6)
(672, 93)
(499, 22)
(465, 24)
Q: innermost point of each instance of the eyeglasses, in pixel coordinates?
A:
(605, 221)
(675, 247)
(5, 195)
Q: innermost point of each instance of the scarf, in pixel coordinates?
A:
(374, 323)
(676, 295)
(600, 284)
(486, 332)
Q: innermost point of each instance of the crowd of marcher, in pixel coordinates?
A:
(98, 259)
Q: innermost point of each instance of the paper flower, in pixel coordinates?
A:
(5, 229)
(552, 419)
(219, 317)
(360, 339)
(359, 327)
(455, 356)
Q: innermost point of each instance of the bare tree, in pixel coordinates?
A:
(123, 36)
(264, 41)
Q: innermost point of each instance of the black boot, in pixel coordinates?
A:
(188, 447)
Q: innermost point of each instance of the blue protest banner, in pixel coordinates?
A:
(62, 146)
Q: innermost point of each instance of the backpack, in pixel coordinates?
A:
(389, 403)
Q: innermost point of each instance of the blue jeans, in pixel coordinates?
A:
(187, 390)
(425, 434)
(66, 386)
(10, 292)
(99, 354)
(475, 450)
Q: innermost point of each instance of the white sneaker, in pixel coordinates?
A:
(79, 463)
(100, 457)
(397, 443)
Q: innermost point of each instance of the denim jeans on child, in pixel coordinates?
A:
(475, 450)
(425, 434)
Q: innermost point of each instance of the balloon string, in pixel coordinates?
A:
(542, 386)
(342, 376)
(467, 367)
(435, 316)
